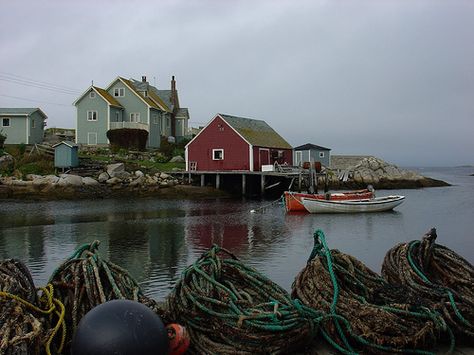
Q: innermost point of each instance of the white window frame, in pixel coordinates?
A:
(6, 119)
(156, 119)
(90, 115)
(134, 116)
(321, 154)
(92, 94)
(214, 151)
(119, 92)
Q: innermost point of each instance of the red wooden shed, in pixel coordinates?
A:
(230, 143)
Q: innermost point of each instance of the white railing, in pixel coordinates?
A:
(137, 125)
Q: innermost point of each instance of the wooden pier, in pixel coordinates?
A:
(253, 182)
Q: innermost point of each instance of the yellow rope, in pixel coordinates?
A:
(53, 304)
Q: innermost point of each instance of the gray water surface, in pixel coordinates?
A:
(156, 239)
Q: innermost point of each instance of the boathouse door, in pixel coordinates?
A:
(264, 157)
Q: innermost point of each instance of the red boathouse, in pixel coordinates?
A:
(230, 143)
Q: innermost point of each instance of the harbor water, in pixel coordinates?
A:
(156, 239)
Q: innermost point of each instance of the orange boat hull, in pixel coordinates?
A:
(293, 199)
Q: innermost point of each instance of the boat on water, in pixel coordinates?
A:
(376, 204)
(293, 199)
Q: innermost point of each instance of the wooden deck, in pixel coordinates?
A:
(252, 182)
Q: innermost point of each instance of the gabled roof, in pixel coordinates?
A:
(309, 146)
(107, 97)
(165, 95)
(17, 111)
(147, 100)
(256, 132)
(152, 95)
(102, 93)
(182, 113)
(69, 144)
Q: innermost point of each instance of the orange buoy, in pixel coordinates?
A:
(178, 339)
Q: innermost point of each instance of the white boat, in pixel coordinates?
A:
(377, 204)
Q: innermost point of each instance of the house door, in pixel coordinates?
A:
(92, 138)
(264, 157)
(298, 157)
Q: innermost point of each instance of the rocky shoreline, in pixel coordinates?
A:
(112, 183)
(380, 174)
(115, 182)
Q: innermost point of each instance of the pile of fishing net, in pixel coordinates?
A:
(29, 321)
(439, 275)
(364, 313)
(86, 280)
(228, 308)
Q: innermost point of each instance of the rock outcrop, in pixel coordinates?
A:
(380, 174)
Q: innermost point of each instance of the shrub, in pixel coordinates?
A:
(35, 164)
(127, 138)
(3, 138)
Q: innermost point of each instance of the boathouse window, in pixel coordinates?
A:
(92, 115)
(321, 154)
(119, 92)
(218, 154)
(33, 123)
(6, 122)
(92, 95)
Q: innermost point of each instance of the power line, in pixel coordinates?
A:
(39, 86)
(38, 82)
(42, 102)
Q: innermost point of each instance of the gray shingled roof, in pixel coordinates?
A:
(308, 146)
(183, 112)
(256, 132)
(20, 111)
(165, 95)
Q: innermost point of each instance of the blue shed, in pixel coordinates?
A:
(312, 152)
(66, 155)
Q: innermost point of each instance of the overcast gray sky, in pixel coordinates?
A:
(394, 79)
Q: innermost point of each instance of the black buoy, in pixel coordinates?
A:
(120, 327)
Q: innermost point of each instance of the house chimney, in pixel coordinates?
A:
(143, 79)
(173, 84)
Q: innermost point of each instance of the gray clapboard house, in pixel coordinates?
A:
(22, 125)
(311, 152)
(130, 104)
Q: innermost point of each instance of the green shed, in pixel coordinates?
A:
(66, 155)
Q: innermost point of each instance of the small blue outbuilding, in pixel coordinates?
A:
(66, 155)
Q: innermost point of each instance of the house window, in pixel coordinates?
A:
(218, 154)
(92, 115)
(119, 92)
(92, 95)
(6, 122)
(145, 93)
(321, 154)
(33, 123)
(168, 122)
(156, 120)
(135, 117)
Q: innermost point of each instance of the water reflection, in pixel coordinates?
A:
(155, 240)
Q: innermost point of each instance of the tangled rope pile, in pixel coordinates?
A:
(230, 308)
(85, 280)
(437, 274)
(366, 314)
(26, 319)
